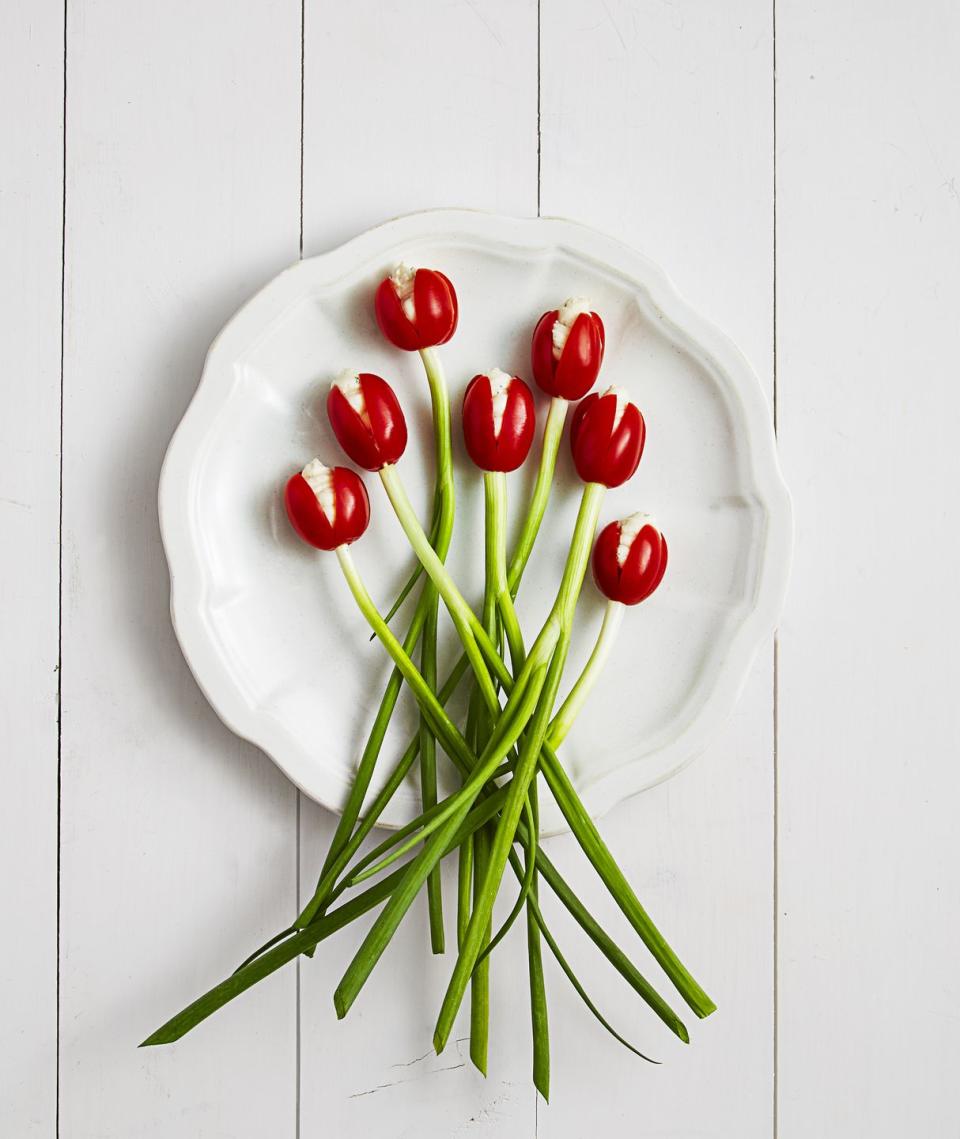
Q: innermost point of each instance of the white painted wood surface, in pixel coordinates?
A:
(179, 847)
(178, 843)
(450, 119)
(31, 179)
(630, 122)
(868, 261)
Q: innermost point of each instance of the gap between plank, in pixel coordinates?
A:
(303, 52)
(776, 650)
(63, 309)
(536, 1095)
(539, 133)
(298, 1048)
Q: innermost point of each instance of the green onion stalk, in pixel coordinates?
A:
(445, 495)
(549, 655)
(495, 498)
(519, 707)
(423, 629)
(543, 666)
(347, 839)
(294, 941)
(481, 651)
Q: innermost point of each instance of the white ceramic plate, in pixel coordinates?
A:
(267, 625)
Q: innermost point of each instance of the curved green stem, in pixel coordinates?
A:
(263, 963)
(444, 490)
(418, 571)
(552, 434)
(538, 992)
(525, 885)
(537, 917)
(495, 487)
(333, 867)
(495, 499)
(562, 614)
(476, 641)
(591, 842)
(416, 872)
(580, 822)
(510, 724)
(368, 760)
(480, 981)
(569, 710)
(469, 629)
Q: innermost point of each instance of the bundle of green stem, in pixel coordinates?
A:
(510, 739)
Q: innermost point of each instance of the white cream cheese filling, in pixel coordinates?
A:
(629, 529)
(500, 382)
(567, 313)
(403, 278)
(320, 480)
(349, 384)
(622, 400)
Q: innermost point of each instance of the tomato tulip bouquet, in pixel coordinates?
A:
(515, 720)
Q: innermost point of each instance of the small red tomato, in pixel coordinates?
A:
(498, 420)
(629, 559)
(606, 437)
(567, 350)
(416, 308)
(367, 419)
(327, 506)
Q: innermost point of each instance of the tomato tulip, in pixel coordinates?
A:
(416, 308)
(607, 436)
(327, 506)
(498, 420)
(367, 419)
(567, 350)
(629, 559)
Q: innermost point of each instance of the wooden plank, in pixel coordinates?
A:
(436, 105)
(657, 127)
(31, 141)
(178, 841)
(868, 291)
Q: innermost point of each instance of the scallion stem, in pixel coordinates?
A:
(559, 621)
(336, 865)
(444, 489)
(495, 485)
(552, 434)
(569, 710)
(591, 842)
(515, 717)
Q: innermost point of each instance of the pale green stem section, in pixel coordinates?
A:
(509, 726)
(495, 487)
(573, 810)
(552, 434)
(580, 822)
(569, 710)
(337, 863)
(477, 644)
(495, 494)
(508, 729)
(444, 490)
(559, 622)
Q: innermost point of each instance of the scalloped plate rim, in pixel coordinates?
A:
(184, 457)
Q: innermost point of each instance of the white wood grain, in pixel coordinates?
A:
(598, 169)
(657, 127)
(31, 142)
(178, 841)
(868, 293)
(435, 105)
